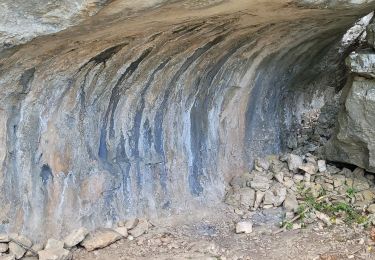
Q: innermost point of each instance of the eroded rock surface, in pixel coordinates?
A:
(20, 21)
(354, 141)
(151, 111)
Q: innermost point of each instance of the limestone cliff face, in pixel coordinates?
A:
(149, 112)
(354, 141)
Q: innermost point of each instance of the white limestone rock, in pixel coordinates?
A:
(244, 227)
(75, 237)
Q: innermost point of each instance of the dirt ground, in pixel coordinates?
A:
(210, 235)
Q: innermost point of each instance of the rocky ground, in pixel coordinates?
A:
(211, 236)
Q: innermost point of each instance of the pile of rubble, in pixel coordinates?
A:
(309, 190)
(15, 246)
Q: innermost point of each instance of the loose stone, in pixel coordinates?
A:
(123, 231)
(309, 168)
(16, 250)
(140, 229)
(291, 203)
(338, 180)
(247, 197)
(55, 254)
(4, 238)
(3, 247)
(323, 217)
(100, 238)
(262, 164)
(75, 237)
(322, 165)
(294, 162)
(8, 257)
(371, 209)
(20, 239)
(244, 227)
(54, 243)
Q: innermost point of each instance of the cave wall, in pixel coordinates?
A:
(152, 112)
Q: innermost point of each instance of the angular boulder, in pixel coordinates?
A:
(4, 238)
(354, 141)
(362, 63)
(294, 162)
(100, 238)
(54, 243)
(3, 247)
(75, 237)
(20, 239)
(291, 203)
(275, 196)
(140, 229)
(16, 250)
(7, 257)
(260, 181)
(55, 254)
(122, 231)
(247, 197)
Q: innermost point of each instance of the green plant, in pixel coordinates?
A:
(332, 209)
(351, 192)
(287, 225)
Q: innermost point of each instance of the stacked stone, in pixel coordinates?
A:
(15, 246)
(282, 181)
(354, 141)
(315, 129)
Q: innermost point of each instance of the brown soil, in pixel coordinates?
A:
(210, 235)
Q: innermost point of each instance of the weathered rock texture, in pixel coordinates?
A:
(150, 112)
(21, 21)
(354, 141)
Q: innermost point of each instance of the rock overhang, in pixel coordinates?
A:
(152, 108)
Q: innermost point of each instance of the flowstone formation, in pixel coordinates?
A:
(150, 108)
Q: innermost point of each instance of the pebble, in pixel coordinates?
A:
(322, 165)
(244, 227)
